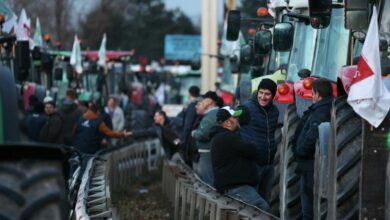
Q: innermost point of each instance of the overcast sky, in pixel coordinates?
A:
(192, 8)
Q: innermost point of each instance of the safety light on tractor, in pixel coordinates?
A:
(47, 38)
(283, 89)
(307, 84)
(262, 12)
(2, 19)
(251, 31)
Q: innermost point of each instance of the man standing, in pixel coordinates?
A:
(305, 138)
(261, 132)
(210, 103)
(116, 115)
(91, 129)
(51, 132)
(70, 113)
(189, 119)
(234, 161)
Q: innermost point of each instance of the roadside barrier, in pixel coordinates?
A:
(189, 196)
(194, 199)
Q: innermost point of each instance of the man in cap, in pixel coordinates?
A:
(210, 103)
(234, 160)
(261, 132)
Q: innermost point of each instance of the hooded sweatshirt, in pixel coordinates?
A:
(233, 160)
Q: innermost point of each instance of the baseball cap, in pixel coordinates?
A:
(226, 112)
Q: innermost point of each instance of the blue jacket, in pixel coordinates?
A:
(304, 140)
(261, 130)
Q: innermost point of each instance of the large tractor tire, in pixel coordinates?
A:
(345, 162)
(32, 189)
(290, 207)
(275, 201)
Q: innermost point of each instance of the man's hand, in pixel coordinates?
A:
(127, 133)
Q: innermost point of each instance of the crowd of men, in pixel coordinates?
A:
(233, 150)
(85, 126)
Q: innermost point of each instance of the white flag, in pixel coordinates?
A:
(38, 34)
(102, 52)
(75, 58)
(368, 96)
(23, 29)
(10, 17)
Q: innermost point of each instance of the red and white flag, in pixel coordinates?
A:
(368, 96)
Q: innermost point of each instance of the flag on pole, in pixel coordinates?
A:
(10, 17)
(102, 52)
(75, 58)
(368, 96)
(23, 29)
(38, 34)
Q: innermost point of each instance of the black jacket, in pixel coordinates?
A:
(165, 135)
(70, 114)
(189, 119)
(51, 132)
(261, 129)
(234, 161)
(304, 140)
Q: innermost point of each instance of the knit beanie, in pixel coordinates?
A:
(268, 84)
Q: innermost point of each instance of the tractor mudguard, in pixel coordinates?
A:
(36, 151)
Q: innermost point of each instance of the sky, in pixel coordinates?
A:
(193, 8)
(190, 7)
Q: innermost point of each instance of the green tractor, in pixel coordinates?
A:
(32, 175)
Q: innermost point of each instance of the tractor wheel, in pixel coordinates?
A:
(345, 155)
(32, 189)
(289, 181)
(275, 201)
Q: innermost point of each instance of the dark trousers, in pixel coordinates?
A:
(266, 175)
(306, 193)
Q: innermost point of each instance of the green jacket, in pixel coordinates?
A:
(202, 134)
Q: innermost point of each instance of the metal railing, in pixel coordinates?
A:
(190, 197)
(102, 178)
(194, 199)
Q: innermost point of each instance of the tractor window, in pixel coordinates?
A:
(357, 48)
(277, 59)
(303, 50)
(332, 47)
(385, 21)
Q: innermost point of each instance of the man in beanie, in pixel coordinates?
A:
(234, 160)
(261, 132)
(211, 103)
(51, 132)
